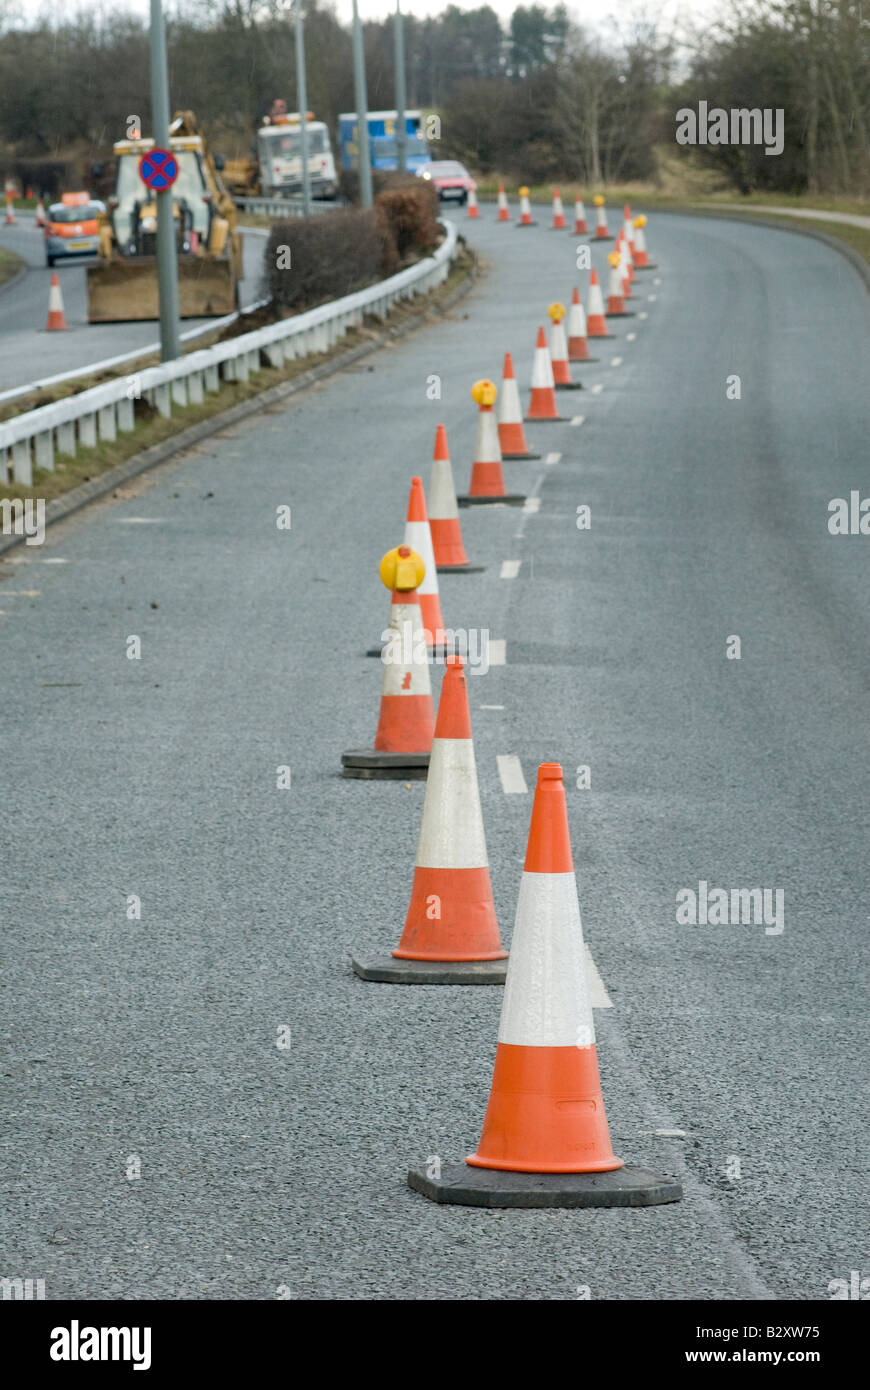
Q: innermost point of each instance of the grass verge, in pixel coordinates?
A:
(10, 264)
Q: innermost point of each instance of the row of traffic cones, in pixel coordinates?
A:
(632, 228)
(545, 1138)
(546, 1113)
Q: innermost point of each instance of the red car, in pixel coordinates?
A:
(451, 179)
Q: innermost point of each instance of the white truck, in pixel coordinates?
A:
(279, 154)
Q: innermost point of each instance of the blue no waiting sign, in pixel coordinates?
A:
(158, 169)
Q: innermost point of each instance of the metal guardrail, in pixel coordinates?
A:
(286, 207)
(99, 413)
(109, 363)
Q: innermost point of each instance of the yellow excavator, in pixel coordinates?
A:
(123, 283)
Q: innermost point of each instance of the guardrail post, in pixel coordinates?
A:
(66, 438)
(274, 354)
(163, 400)
(179, 391)
(126, 414)
(106, 423)
(88, 430)
(44, 450)
(212, 377)
(22, 468)
(195, 393)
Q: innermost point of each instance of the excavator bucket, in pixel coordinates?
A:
(120, 290)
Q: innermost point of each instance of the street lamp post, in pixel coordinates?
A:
(167, 255)
(302, 97)
(362, 111)
(401, 95)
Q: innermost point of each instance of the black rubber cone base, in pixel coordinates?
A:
(510, 499)
(525, 224)
(368, 763)
(518, 458)
(546, 419)
(645, 267)
(464, 1186)
(602, 338)
(568, 386)
(580, 362)
(437, 653)
(626, 314)
(467, 568)
(387, 970)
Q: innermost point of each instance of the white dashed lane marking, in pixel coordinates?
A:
(497, 651)
(511, 774)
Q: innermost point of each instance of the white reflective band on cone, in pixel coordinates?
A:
(419, 537)
(486, 445)
(558, 343)
(451, 832)
(542, 369)
(576, 321)
(546, 1002)
(442, 495)
(510, 411)
(406, 637)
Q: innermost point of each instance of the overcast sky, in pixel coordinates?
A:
(595, 14)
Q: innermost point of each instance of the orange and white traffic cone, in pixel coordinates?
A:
(511, 435)
(56, 321)
(525, 210)
(628, 262)
(627, 229)
(504, 214)
(473, 210)
(407, 718)
(601, 230)
(545, 1138)
(641, 256)
(487, 478)
(580, 227)
(451, 932)
(559, 223)
(615, 296)
(542, 403)
(578, 348)
(559, 350)
(40, 213)
(596, 326)
(419, 537)
(450, 556)
(625, 270)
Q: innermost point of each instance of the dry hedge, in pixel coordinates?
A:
(334, 253)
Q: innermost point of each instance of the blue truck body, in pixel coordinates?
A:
(383, 146)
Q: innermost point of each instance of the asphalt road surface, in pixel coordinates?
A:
(28, 353)
(269, 1172)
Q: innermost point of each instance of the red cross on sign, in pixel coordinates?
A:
(158, 169)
